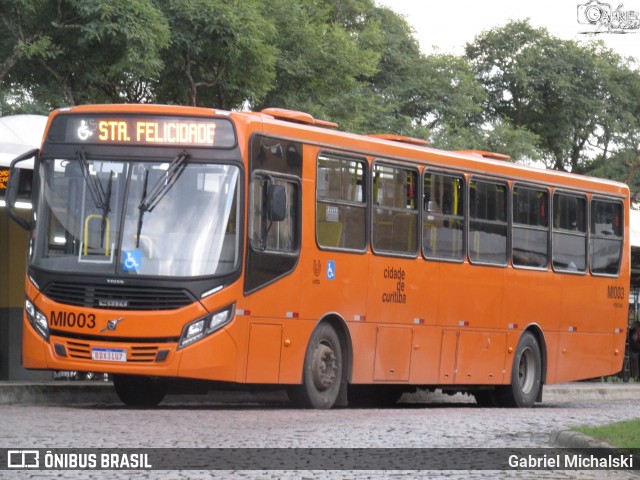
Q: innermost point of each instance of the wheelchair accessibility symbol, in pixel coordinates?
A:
(84, 132)
(132, 260)
(331, 270)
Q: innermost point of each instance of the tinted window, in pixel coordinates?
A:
(268, 235)
(569, 233)
(530, 236)
(487, 222)
(341, 203)
(395, 209)
(443, 224)
(606, 237)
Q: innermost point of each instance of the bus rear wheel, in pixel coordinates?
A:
(322, 371)
(139, 391)
(526, 375)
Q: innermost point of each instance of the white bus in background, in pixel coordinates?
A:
(18, 134)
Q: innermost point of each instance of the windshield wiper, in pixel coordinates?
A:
(106, 208)
(93, 184)
(101, 199)
(162, 186)
(140, 210)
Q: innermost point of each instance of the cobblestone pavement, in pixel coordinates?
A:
(458, 424)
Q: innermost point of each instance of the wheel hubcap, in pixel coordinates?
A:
(325, 366)
(526, 371)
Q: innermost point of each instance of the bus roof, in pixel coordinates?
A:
(472, 161)
(304, 127)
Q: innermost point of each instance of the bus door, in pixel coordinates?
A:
(401, 293)
(273, 250)
(334, 266)
(471, 293)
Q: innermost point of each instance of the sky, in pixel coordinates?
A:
(445, 26)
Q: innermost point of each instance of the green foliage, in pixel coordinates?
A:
(496, 136)
(326, 51)
(622, 166)
(221, 55)
(622, 434)
(518, 90)
(63, 52)
(574, 97)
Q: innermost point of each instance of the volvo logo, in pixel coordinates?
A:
(112, 324)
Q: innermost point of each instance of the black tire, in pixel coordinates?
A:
(139, 391)
(322, 371)
(373, 395)
(526, 375)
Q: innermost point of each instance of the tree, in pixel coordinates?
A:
(222, 53)
(66, 52)
(435, 97)
(327, 51)
(622, 166)
(572, 96)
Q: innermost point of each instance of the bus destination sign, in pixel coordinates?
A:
(156, 131)
(4, 179)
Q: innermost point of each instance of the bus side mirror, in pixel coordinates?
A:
(276, 203)
(13, 188)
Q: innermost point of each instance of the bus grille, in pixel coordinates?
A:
(118, 297)
(137, 353)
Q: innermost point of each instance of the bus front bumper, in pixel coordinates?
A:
(212, 358)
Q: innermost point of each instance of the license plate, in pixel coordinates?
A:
(109, 354)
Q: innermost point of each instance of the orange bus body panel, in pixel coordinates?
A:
(407, 320)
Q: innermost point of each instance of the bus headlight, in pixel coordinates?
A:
(205, 326)
(37, 319)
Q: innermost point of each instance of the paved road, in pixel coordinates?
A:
(458, 423)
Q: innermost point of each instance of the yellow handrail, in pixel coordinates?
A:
(86, 233)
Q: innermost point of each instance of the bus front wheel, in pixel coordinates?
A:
(526, 374)
(322, 371)
(139, 391)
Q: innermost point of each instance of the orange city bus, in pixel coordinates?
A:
(178, 246)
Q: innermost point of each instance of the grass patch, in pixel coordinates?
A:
(622, 434)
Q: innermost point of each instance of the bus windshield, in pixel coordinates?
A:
(157, 218)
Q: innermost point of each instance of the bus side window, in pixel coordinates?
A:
(487, 222)
(569, 233)
(530, 234)
(443, 224)
(280, 235)
(606, 237)
(395, 209)
(341, 203)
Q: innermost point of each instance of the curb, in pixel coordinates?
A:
(570, 392)
(571, 439)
